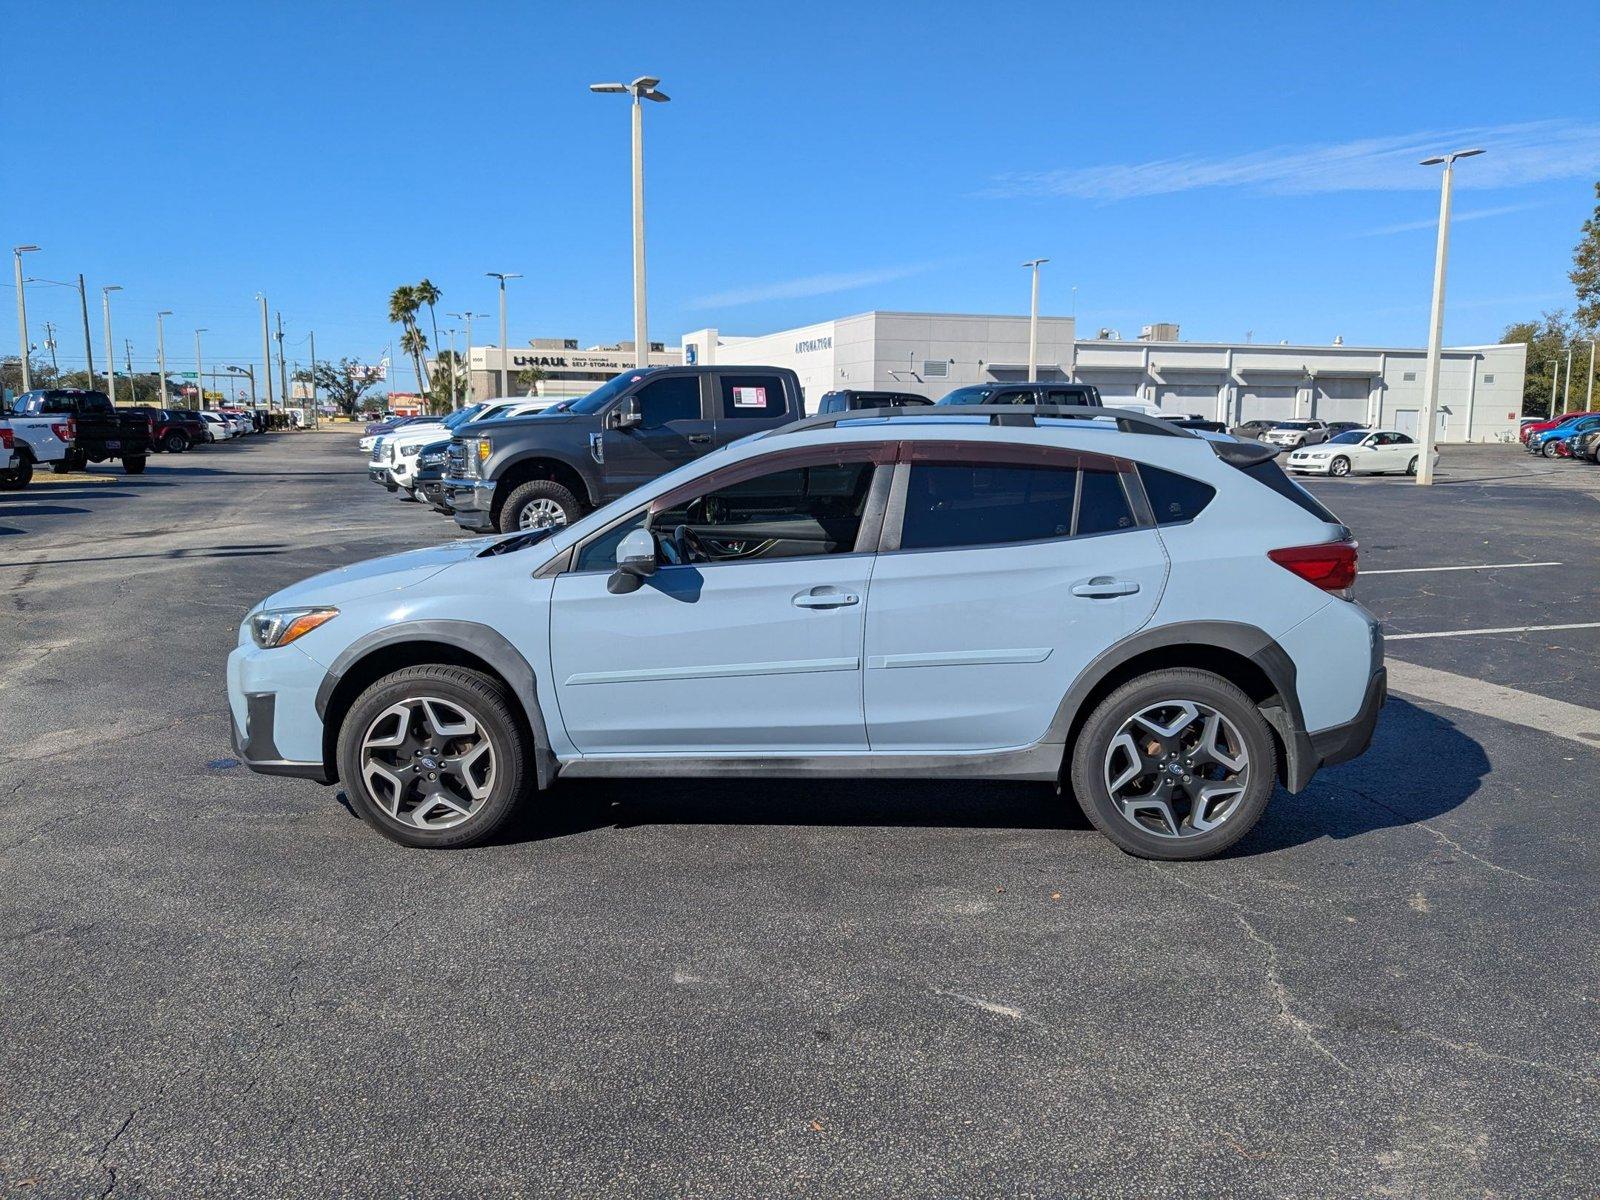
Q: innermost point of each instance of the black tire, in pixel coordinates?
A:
(134, 464)
(1339, 466)
(1549, 448)
(533, 492)
(19, 476)
(175, 442)
(1411, 467)
(484, 698)
(1089, 756)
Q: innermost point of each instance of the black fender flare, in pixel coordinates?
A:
(1283, 712)
(476, 639)
(591, 485)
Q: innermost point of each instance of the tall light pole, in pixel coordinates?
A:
(1588, 404)
(50, 345)
(502, 276)
(643, 88)
(88, 342)
(285, 388)
(1033, 321)
(455, 368)
(316, 417)
(22, 315)
(161, 353)
(1430, 390)
(199, 378)
(467, 317)
(111, 353)
(266, 348)
(1566, 392)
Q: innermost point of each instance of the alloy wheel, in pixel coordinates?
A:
(428, 762)
(542, 513)
(1177, 769)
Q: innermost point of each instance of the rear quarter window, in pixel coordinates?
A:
(752, 396)
(1174, 498)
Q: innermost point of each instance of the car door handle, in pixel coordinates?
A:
(825, 598)
(699, 439)
(1103, 587)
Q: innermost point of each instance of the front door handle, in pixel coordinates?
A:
(825, 598)
(700, 439)
(1103, 587)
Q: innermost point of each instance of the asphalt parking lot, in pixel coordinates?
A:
(221, 983)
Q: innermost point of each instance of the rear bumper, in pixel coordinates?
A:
(1310, 752)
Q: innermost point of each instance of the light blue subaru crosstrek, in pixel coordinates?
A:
(1159, 621)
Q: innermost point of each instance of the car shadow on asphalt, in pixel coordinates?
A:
(1391, 785)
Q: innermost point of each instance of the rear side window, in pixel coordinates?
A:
(752, 396)
(1103, 506)
(1174, 497)
(977, 504)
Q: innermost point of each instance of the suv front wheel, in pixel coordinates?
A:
(1176, 764)
(434, 756)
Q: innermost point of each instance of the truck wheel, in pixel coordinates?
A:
(62, 466)
(19, 476)
(1177, 764)
(134, 464)
(176, 442)
(539, 504)
(434, 756)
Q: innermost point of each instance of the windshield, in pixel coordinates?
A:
(1353, 438)
(607, 392)
(462, 417)
(968, 395)
(1294, 425)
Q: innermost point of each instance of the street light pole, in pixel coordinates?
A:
(1566, 392)
(1033, 321)
(22, 316)
(161, 353)
(1430, 390)
(467, 317)
(266, 348)
(88, 342)
(199, 376)
(1589, 403)
(316, 417)
(502, 276)
(455, 368)
(111, 353)
(643, 88)
(285, 386)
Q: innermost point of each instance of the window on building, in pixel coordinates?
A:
(1409, 377)
(1488, 378)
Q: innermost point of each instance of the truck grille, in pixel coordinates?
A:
(455, 462)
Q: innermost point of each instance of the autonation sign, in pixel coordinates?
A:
(813, 344)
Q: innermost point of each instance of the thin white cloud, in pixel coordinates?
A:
(1477, 214)
(1533, 152)
(807, 285)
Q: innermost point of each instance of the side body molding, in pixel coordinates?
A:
(1248, 641)
(476, 639)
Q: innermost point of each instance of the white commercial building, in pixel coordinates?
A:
(1480, 387)
(567, 369)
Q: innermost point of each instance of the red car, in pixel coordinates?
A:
(1528, 431)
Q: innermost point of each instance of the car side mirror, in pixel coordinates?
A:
(627, 416)
(636, 560)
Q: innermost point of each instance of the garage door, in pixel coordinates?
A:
(1115, 386)
(1267, 401)
(1189, 399)
(1341, 399)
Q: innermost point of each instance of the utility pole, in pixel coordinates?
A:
(1555, 386)
(1588, 404)
(1033, 322)
(111, 353)
(199, 376)
(466, 399)
(316, 415)
(1430, 391)
(127, 349)
(266, 347)
(88, 342)
(284, 388)
(50, 345)
(161, 353)
(22, 316)
(1566, 392)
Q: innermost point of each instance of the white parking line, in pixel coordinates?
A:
(1404, 637)
(1571, 721)
(1475, 567)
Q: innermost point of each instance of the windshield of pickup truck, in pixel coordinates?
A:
(607, 392)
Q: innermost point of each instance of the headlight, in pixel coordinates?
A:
(410, 450)
(272, 627)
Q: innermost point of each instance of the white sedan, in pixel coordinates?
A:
(220, 428)
(1372, 451)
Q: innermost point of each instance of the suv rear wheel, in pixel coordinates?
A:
(539, 504)
(1177, 764)
(434, 756)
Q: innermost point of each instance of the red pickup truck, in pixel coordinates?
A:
(172, 431)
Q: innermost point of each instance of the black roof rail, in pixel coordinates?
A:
(998, 414)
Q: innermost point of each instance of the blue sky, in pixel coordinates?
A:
(1232, 168)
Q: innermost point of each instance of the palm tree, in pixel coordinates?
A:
(427, 292)
(403, 305)
(415, 343)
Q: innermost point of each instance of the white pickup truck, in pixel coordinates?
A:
(34, 442)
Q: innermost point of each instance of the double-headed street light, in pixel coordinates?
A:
(643, 88)
(111, 354)
(1033, 322)
(22, 316)
(467, 317)
(505, 350)
(1430, 388)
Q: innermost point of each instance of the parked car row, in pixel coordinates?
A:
(66, 429)
(1572, 435)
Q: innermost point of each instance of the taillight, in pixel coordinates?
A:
(1330, 566)
(65, 430)
(5, 439)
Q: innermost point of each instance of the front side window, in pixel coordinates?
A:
(788, 513)
(749, 396)
(975, 504)
(599, 553)
(675, 398)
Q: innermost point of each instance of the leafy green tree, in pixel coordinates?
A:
(1548, 340)
(1585, 273)
(344, 383)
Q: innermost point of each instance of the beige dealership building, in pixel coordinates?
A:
(1480, 387)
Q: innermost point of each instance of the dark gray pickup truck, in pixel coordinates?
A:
(550, 468)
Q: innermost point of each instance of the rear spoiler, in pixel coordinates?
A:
(1243, 455)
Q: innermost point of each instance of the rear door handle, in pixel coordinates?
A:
(825, 598)
(699, 439)
(1103, 587)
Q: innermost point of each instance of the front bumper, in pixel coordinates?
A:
(255, 745)
(272, 708)
(1312, 466)
(471, 502)
(379, 474)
